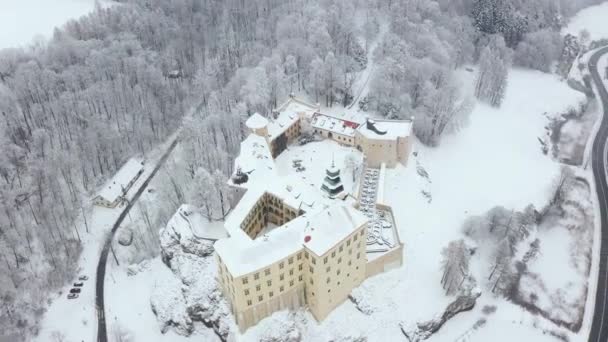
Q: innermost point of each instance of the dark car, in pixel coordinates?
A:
(75, 290)
(80, 284)
(83, 277)
(72, 295)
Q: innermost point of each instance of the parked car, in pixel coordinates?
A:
(75, 290)
(72, 295)
(83, 278)
(79, 284)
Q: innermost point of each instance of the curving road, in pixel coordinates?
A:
(599, 327)
(102, 333)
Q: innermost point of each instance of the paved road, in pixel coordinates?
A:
(599, 328)
(102, 333)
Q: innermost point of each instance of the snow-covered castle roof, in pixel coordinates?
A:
(316, 231)
(256, 121)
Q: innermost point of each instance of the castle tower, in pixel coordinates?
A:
(332, 184)
(258, 125)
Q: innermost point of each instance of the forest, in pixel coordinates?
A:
(121, 80)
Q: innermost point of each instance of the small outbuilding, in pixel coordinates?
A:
(114, 190)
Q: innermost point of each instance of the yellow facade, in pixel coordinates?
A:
(302, 279)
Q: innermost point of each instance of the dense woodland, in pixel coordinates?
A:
(119, 81)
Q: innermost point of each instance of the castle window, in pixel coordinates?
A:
(291, 260)
(256, 276)
(270, 294)
(261, 298)
(328, 269)
(300, 278)
(281, 277)
(246, 292)
(314, 261)
(341, 248)
(281, 265)
(245, 281)
(338, 272)
(306, 255)
(300, 267)
(325, 260)
(267, 271)
(347, 242)
(311, 282)
(257, 287)
(269, 283)
(312, 270)
(249, 302)
(358, 255)
(291, 283)
(281, 288)
(328, 280)
(333, 254)
(339, 260)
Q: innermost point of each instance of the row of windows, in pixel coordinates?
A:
(270, 294)
(350, 140)
(290, 260)
(256, 276)
(341, 248)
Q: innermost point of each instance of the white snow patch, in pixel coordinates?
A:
(592, 19)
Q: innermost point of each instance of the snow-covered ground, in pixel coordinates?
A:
(592, 19)
(76, 319)
(128, 303)
(23, 20)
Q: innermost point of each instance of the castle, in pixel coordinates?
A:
(291, 245)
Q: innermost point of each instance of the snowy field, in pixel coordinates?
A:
(592, 19)
(23, 20)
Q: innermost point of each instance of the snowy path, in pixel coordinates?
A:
(599, 328)
(102, 335)
(73, 319)
(362, 82)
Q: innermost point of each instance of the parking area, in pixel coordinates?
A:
(381, 234)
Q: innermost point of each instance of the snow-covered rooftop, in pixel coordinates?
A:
(334, 124)
(114, 187)
(255, 160)
(326, 228)
(188, 220)
(386, 129)
(329, 227)
(256, 121)
(288, 114)
(291, 190)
